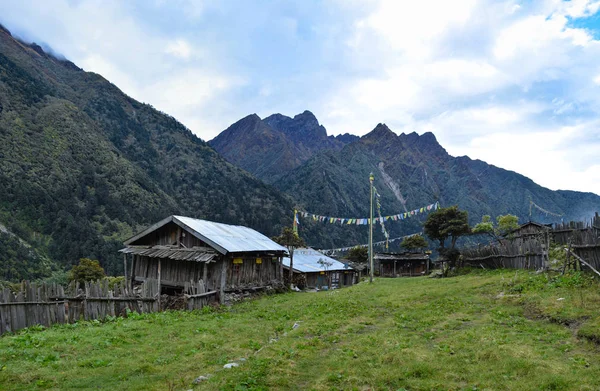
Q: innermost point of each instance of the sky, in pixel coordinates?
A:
(513, 83)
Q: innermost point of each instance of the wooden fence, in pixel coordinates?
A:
(519, 254)
(47, 304)
(530, 252)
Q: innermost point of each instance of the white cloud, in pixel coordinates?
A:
(483, 75)
(497, 81)
(179, 48)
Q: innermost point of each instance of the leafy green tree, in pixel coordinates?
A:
(485, 227)
(87, 270)
(505, 224)
(358, 254)
(414, 242)
(447, 223)
(291, 241)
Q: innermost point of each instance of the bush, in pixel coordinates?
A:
(87, 270)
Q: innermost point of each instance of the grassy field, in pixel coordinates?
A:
(501, 330)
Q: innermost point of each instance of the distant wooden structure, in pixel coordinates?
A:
(527, 247)
(179, 249)
(406, 264)
(313, 269)
(528, 229)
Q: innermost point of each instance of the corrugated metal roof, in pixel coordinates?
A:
(229, 238)
(224, 238)
(306, 260)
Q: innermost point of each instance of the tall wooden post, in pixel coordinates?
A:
(223, 280)
(159, 288)
(125, 270)
(371, 178)
(205, 274)
(132, 276)
(394, 268)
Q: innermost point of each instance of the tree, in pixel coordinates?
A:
(87, 270)
(485, 227)
(291, 241)
(358, 254)
(325, 264)
(447, 223)
(414, 242)
(505, 224)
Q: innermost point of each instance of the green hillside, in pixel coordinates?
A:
(84, 166)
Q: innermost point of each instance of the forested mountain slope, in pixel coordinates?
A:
(412, 171)
(84, 166)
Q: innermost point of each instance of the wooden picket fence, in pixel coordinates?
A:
(47, 304)
(583, 238)
(518, 254)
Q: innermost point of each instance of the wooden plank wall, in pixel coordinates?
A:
(168, 235)
(249, 273)
(175, 273)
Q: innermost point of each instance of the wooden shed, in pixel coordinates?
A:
(178, 250)
(531, 228)
(317, 270)
(405, 264)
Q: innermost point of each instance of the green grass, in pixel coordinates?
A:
(414, 334)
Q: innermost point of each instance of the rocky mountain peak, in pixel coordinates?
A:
(303, 127)
(381, 133)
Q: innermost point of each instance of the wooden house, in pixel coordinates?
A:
(317, 270)
(178, 250)
(529, 229)
(401, 264)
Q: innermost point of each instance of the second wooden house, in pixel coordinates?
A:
(313, 269)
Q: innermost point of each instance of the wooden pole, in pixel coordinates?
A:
(159, 284)
(125, 269)
(132, 276)
(394, 268)
(584, 262)
(371, 178)
(223, 280)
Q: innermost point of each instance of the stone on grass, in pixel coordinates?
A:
(231, 365)
(200, 379)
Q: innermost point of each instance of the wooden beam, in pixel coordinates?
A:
(125, 270)
(158, 283)
(201, 294)
(584, 262)
(223, 280)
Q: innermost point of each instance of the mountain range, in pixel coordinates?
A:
(84, 167)
(329, 176)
